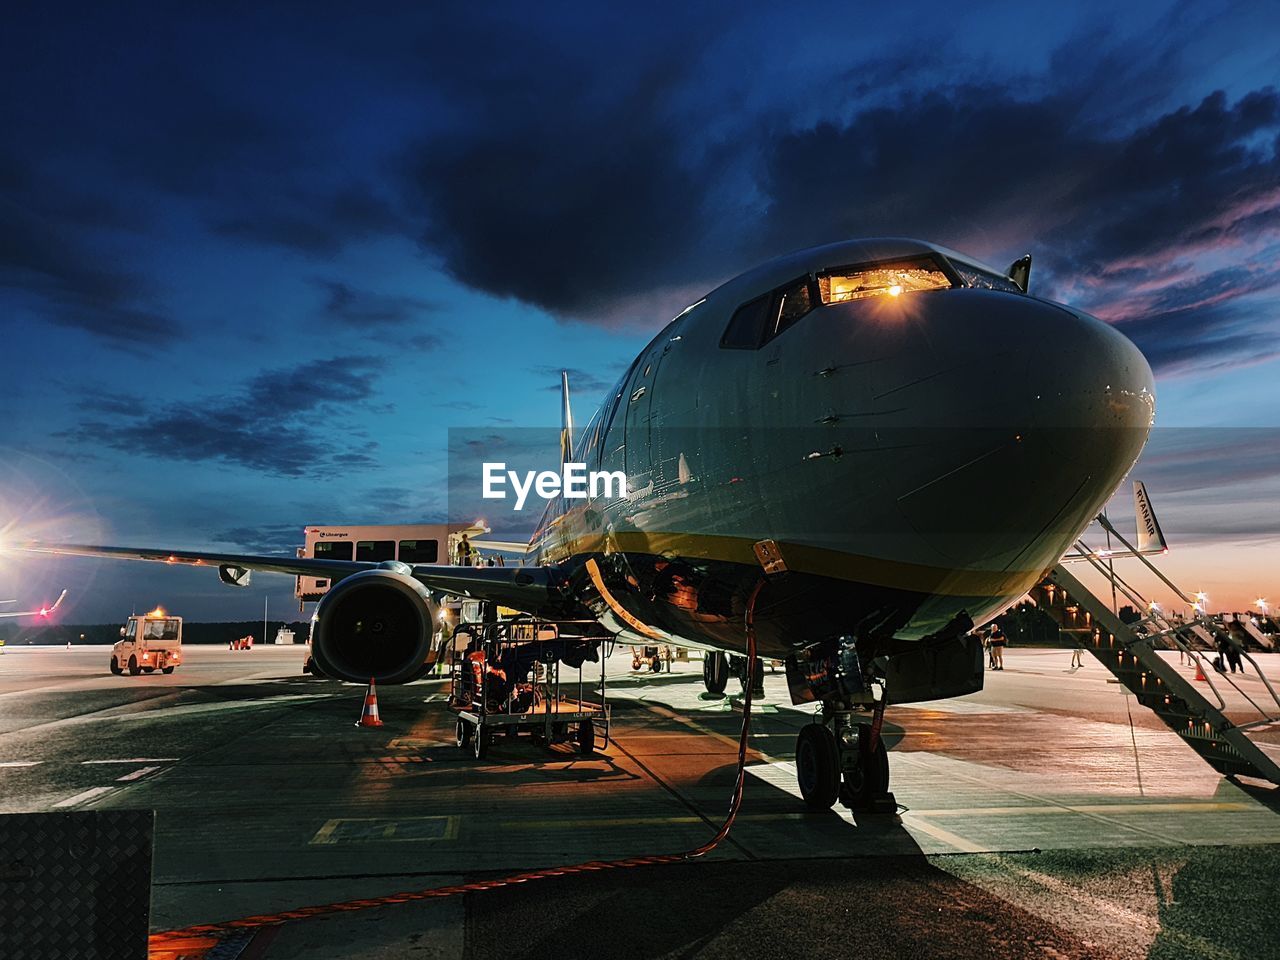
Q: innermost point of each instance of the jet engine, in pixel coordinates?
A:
(377, 624)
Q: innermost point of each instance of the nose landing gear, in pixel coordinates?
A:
(840, 758)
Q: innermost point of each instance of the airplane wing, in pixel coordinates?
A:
(42, 612)
(525, 588)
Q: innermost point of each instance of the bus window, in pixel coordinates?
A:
(333, 550)
(419, 551)
(375, 551)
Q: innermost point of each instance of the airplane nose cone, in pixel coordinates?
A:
(1058, 420)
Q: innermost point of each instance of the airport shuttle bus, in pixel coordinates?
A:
(418, 543)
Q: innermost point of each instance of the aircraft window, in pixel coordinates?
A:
(746, 327)
(588, 438)
(419, 551)
(879, 279)
(792, 304)
(375, 551)
(983, 279)
(333, 550)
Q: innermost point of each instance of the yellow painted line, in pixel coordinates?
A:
(325, 832)
(636, 821)
(325, 835)
(946, 836)
(1094, 808)
(804, 558)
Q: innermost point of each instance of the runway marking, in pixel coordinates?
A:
(134, 760)
(136, 775)
(946, 836)
(1099, 808)
(20, 763)
(401, 830)
(84, 796)
(913, 760)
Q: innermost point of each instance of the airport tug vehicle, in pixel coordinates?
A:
(148, 643)
(529, 676)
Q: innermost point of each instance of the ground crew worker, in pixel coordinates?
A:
(998, 641)
(464, 552)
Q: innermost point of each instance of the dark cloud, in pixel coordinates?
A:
(580, 381)
(52, 265)
(104, 403)
(361, 309)
(269, 539)
(590, 189)
(283, 422)
(285, 391)
(318, 223)
(626, 200)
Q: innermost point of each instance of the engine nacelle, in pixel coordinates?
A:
(376, 624)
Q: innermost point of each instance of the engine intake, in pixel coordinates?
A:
(377, 624)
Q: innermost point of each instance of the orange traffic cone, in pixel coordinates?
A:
(369, 713)
(1199, 673)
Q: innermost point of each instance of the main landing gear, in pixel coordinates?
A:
(840, 758)
(718, 667)
(715, 671)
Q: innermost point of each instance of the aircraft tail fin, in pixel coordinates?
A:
(1150, 536)
(566, 419)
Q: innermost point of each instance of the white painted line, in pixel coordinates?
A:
(83, 797)
(20, 763)
(136, 774)
(134, 760)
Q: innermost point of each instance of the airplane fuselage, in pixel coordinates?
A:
(916, 455)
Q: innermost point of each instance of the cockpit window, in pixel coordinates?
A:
(758, 321)
(793, 302)
(746, 326)
(975, 276)
(891, 278)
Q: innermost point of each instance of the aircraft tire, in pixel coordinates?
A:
(115, 667)
(134, 669)
(167, 669)
(587, 738)
(817, 766)
(480, 743)
(462, 734)
(871, 778)
(148, 669)
(656, 664)
(715, 672)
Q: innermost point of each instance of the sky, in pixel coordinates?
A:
(256, 261)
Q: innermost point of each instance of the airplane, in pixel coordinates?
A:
(42, 612)
(866, 447)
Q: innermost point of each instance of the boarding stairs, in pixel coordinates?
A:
(1130, 652)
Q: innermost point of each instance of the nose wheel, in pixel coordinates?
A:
(838, 758)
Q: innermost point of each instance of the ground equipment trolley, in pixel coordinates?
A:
(526, 675)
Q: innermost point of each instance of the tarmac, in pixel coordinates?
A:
(1047, 816)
